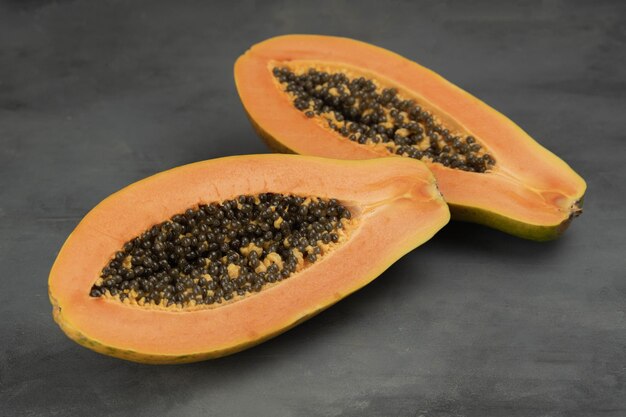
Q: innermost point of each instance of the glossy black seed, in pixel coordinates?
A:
(360, 112)
(190, 256)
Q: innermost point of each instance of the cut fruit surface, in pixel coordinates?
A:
(210, 258)
(340, 98)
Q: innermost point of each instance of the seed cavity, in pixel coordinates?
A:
(223, 251)
(360, 110)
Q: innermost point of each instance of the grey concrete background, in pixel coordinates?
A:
(96, 95)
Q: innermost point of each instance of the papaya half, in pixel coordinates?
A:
(211, 258)
(341, 98)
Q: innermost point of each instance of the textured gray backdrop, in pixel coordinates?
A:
(96, 95)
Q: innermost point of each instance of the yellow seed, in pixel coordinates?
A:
(251, 247)
(233, 270)
(298, 256)
(273, 258)
(403, 132)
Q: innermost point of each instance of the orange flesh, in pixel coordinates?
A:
(528, 183)
(398, 208)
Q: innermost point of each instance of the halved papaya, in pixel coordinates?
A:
(341, 98)
(210, 258)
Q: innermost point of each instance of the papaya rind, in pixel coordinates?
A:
(506, 224)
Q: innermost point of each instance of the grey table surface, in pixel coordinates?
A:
(96, 95)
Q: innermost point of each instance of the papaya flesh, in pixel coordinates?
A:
(341, 98)
(386, 207)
